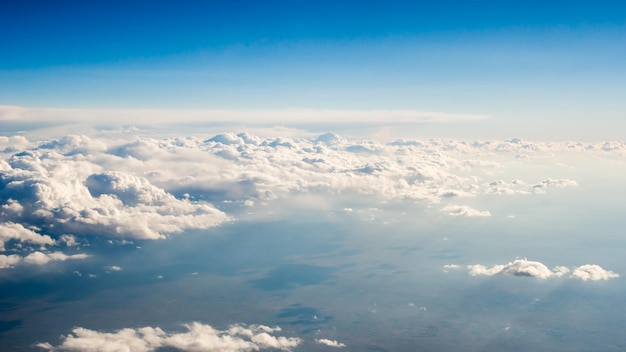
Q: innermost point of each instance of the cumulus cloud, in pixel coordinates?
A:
(331, 343)
(519, 267)
(64, 194)
(593, 272)
(37, 258)
(197, 337)
(65, 189)
(9, 261)
(524, 267)
(464, 210)
(12, 231)
(40, 258)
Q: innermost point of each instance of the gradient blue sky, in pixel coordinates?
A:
(529, 65)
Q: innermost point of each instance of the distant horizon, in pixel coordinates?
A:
(545, 70)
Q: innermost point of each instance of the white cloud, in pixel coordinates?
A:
(519, 267)
(197, 337)
(149, 188)
(549, 183)
(9, 261)
(464, 210)
(331, 343)
(37, 258)
(40, 258)
(593, 272)
(524, 267)
(114, 268)
(69, 240)
(449, 267)
(12, 231)
(12, 143)
(64, 193)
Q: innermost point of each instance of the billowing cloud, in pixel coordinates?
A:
(593, 272)
(12, 231)
(524, 267)
(37, 258)
(60, 191)
(331, 343)
(197, 337)
(9, 261)
(519, 267)
(64, 194)
(40, 258)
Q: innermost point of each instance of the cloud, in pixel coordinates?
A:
(449, 267)
(284, 116)
(12, 231)
(37, 258)
(464, 210)
(197, 337)
(145, 188)
(524, 267)
(65, 194)
(519, 267)
(40, 258)
(114, 268)
(9, 261)
(593, 272)
(551, 183)
(12, 143)
(331, 343)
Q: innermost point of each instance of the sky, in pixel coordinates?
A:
(535, 70)
(312, 175)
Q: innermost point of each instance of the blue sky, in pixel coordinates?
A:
(529, 65)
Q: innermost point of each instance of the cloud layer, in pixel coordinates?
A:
(55, 191)
(197, 337)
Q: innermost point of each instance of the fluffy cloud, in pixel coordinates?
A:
(197, 337)
(63, 193)
(331, 343)
(524, 267)
(40, 258)
(12, 231)
(593, 272)
(148, 188)
(37, 258)
(9, 261)
(519, 267)
(559, 183)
